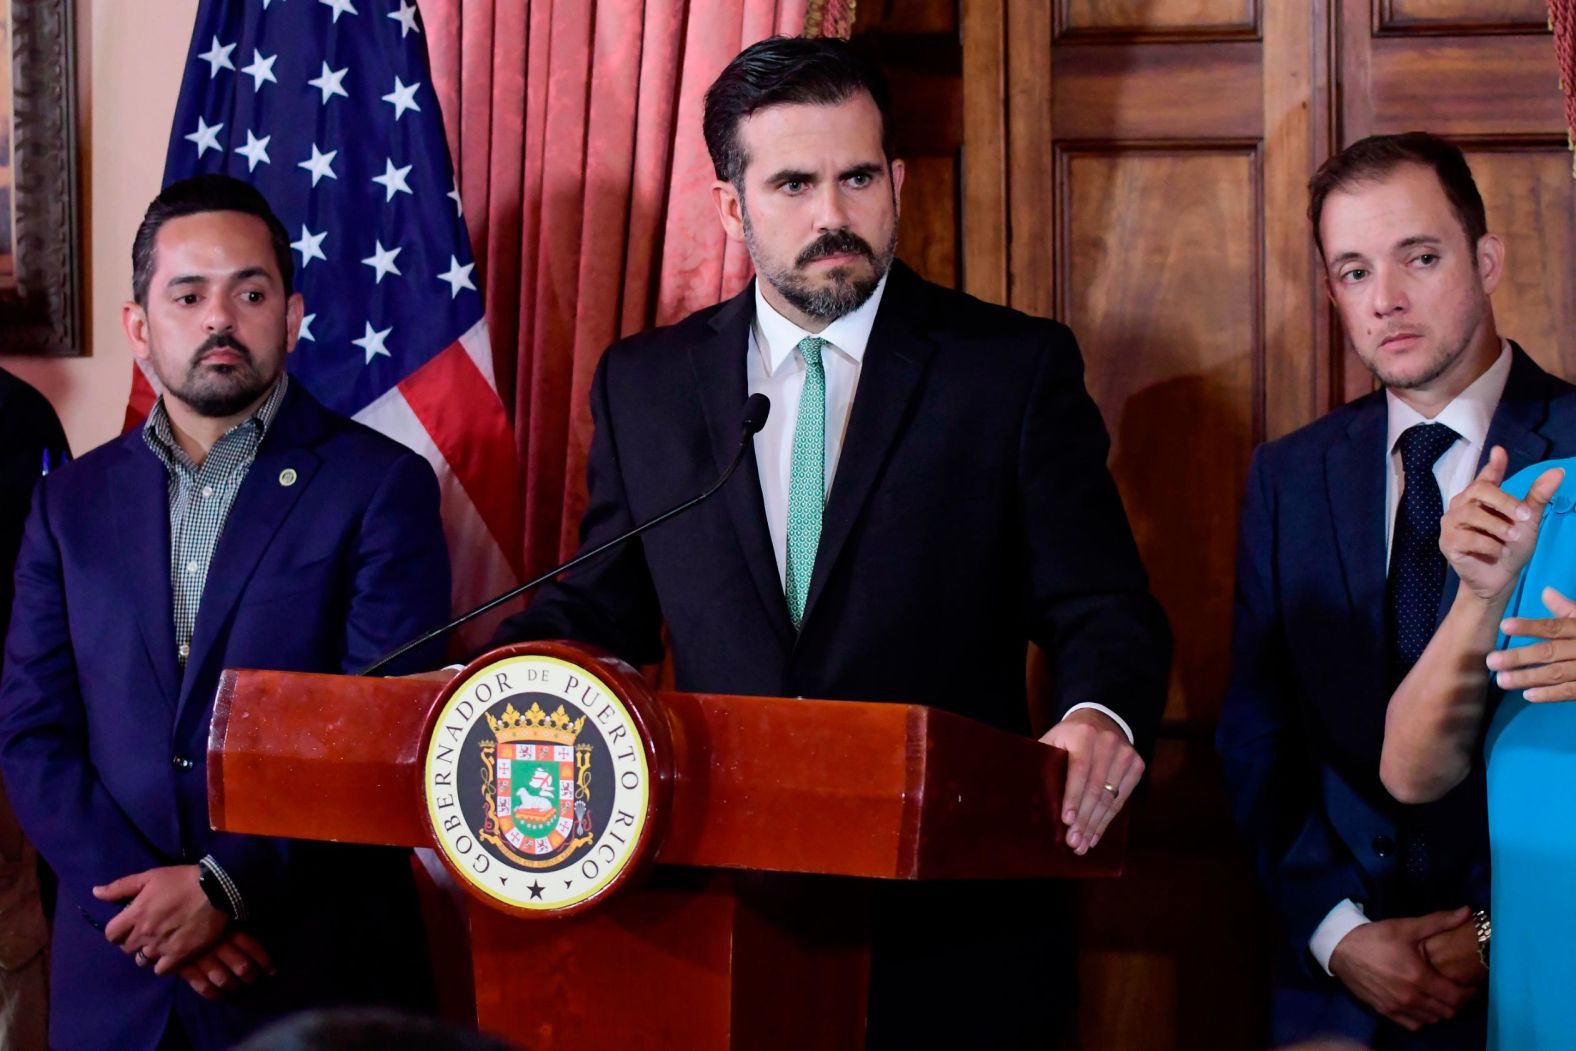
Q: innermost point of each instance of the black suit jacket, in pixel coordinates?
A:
(1302, 725)
(971, 511)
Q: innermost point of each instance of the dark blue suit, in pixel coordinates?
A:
(103, 736)
(1303, 721)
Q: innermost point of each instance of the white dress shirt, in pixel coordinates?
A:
(775, 368)
(1469, 416)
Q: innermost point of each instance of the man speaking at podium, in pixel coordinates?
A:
(243, 526)
(928, 495)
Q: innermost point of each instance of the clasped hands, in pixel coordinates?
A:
(1488, 535)
(169, 924)
(1415, 970)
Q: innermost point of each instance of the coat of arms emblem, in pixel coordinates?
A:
(537, 786)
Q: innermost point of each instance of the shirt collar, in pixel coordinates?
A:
(848, 335)
(158, 435)
(1469, 414)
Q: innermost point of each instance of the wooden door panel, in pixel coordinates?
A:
(1528, 195)
(1459, 15)
(928, 230)
(1179, 91)
(1158, 265)
(1505, 85)
(1169, 17)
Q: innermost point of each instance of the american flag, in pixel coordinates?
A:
(327, 107)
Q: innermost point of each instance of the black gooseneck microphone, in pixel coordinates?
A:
(756, 410)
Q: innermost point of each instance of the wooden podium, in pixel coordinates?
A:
(669, 929)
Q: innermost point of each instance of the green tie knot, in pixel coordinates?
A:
(810, 349)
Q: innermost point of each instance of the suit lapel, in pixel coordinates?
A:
(142, 515)
(1521, 411)
(719, 366)
(894, 364)
(260, 508)
(1355, 484)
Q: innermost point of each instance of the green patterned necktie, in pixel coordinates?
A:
(806, 480)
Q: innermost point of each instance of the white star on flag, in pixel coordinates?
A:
(319, 163)
(458, 276)
(372, 342)
(255, 151)
(340, 7)
(218, 57)
(454, 195)
(331, 82)
(382, 262)
(406, 17)
(306, 328)
(393, 180)
(266, 3)
(206, 137)
(261, 70)
(310, 246)
(403, 97)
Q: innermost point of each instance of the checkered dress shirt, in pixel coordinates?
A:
(200, 499)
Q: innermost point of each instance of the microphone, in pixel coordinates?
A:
(756, 409)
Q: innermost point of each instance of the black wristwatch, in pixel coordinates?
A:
(208, 879)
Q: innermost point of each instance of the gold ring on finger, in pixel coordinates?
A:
(1109, 787)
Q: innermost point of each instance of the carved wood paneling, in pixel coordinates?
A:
(1456, 86)
(1157, 19)
(928, 231)
(1159, 275)
(1179, 91)
(1531, 203)
(1460, 16)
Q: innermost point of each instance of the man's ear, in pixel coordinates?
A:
(897, 170)
(730, 208)
(134, 319)
(1490, 261)
(295, 311)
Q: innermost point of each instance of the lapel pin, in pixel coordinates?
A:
(287, 477)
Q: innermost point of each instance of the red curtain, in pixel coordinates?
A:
(576, 131)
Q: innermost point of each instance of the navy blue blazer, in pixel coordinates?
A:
(1302, 724)
(103, 735)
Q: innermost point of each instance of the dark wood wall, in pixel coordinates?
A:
(1137, 168)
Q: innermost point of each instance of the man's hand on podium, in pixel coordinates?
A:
(1102, 771)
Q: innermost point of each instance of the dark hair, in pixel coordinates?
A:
(366, 1029)
(204, 193)
(783, 70)
(1371, 159)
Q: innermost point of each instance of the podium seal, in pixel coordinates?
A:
(538, 782)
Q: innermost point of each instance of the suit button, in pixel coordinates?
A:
(180, 762)
(1384, 846)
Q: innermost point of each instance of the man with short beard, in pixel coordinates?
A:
(244, 525)
(1340, 584)
(928, 496)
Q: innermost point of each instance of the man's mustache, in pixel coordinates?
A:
(217, 341)
(835, 242)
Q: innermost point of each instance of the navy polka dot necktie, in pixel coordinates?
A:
(1417, 567)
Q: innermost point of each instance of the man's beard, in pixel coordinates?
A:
(1436, 366)
(841, 293)
(219, 390)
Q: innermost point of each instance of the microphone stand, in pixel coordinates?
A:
(753, 422)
